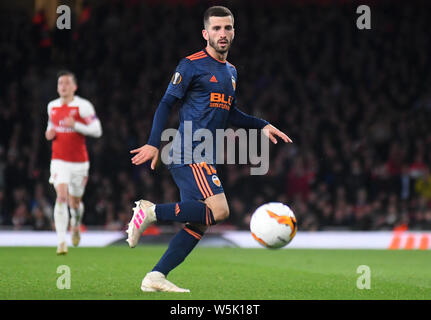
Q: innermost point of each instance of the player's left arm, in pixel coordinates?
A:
(92, 126)
(243, 120)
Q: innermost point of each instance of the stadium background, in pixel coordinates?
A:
(356, 103)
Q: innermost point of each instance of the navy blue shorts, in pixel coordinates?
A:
(197, 181)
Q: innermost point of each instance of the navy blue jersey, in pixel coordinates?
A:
(206, 89)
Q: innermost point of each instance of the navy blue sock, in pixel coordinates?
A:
(179, 248)
(185, 211)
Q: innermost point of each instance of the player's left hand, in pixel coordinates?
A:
(69, 122)
(271, 132)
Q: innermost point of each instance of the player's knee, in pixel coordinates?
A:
(74, 202)
(61, 198)
(221, 213)
(62, 193)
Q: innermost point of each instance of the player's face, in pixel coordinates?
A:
(219, 33)
(66, 87)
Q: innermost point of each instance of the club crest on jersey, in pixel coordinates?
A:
(72, 113)
(176, 78)
(233, 83)
(216, 180)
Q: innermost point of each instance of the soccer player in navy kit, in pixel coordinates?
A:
(205, 84)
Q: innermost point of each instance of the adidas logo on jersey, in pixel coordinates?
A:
(213, 79)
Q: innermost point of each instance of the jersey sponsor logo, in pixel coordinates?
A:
(62, 128)
(216, 180)
(176, 78)
(233, 83)
(213, 79)
(218, 100)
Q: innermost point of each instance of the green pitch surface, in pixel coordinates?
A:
(216, 273)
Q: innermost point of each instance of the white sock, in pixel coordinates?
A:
(76, 215)
(61, 219)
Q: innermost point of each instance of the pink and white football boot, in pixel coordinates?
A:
(143, 215)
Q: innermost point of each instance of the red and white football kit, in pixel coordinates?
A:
(69, 161)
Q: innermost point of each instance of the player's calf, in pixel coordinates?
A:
(215, 209)
(61, 221)
(76, 213)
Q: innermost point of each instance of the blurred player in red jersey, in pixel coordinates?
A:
(70, 119)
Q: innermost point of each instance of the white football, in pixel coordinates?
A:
(273, 225)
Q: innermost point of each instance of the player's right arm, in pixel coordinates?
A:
(176, 90)
(150, 151)
(50, 130)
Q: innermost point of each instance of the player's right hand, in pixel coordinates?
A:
(50, 134)
(144, 154)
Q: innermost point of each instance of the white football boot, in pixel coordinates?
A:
(156, 281)
(62, 248)
(143, 216)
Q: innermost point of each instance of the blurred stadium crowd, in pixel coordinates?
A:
(356, 103)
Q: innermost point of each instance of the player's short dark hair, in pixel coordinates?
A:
(216, 11)
(67, 73)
